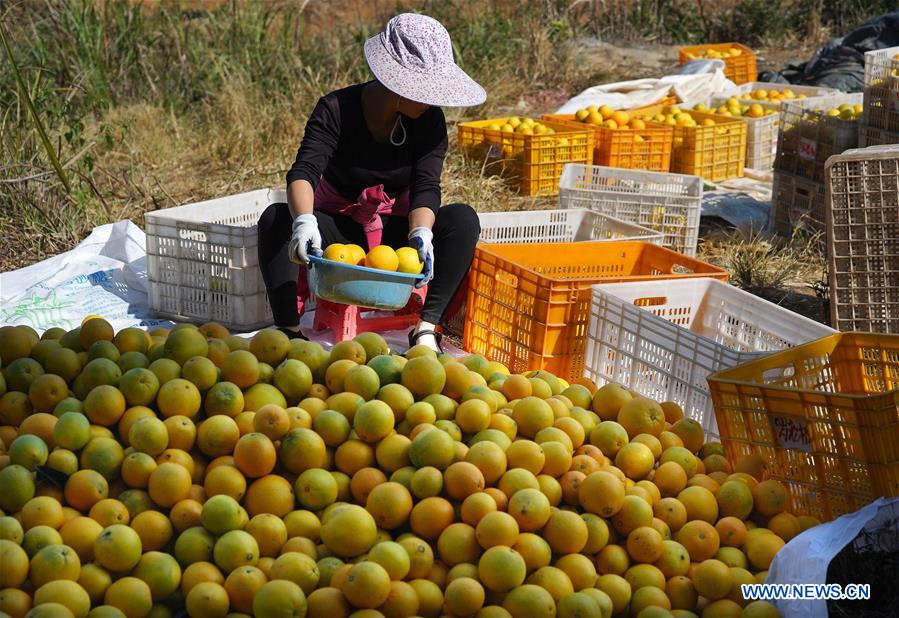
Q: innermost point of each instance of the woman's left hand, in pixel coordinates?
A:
(422, 240)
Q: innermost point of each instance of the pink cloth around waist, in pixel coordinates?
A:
(366, 210)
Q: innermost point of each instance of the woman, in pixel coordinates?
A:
(368, 173)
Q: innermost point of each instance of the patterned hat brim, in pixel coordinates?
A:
(449, 88)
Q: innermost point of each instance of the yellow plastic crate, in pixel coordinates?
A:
(825, 415)
(535, 161)
(644, 149)
(714, 153)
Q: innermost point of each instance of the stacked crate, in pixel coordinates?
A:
(882, 89)
(809, 134)
(528, 302)
(881, 120)
(872, 136)
(203, 264)
(666, 203)
(862, 193)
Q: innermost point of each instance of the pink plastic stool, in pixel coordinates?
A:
(347, 321)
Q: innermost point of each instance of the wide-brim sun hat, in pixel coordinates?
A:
(413, 58)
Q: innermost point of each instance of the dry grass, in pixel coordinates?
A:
(471, 182)
(150, 105)
(789, 273)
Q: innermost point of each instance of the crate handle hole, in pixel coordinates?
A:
(651, 301)
(507, 279)
(681, 269)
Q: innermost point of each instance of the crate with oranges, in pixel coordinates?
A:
(530, 151)
(706, 145)
(881, 91)
(739, 60)
(623, 140)
(762, 122)
(813, 130)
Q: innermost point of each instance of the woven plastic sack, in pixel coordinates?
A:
(804, 560)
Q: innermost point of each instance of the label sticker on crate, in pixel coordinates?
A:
(791, 432)
(893, 101)
(808, 148)
(494, 150)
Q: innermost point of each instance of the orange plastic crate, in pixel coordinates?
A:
(714, 153)
(643, 149)
(529, 304)
(536, 161)
(825, 415)
(739, 70)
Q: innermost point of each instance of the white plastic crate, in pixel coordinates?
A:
(761, 134)
(666, 203)
(796, 203)
(863, 239)
(808, 136)
(202, 261)
(872, 136)
(882, 88)
(577, 224)
(663, 338)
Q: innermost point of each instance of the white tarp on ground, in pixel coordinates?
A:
(745, 203)
(685, 86)
(105, 275)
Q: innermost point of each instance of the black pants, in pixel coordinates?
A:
(456, 232)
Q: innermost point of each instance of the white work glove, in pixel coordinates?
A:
(306, 239)
(422, 240)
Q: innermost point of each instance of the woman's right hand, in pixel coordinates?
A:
(306, 239)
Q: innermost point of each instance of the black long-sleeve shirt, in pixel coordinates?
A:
(338, 146)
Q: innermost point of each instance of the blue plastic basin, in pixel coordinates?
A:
(359, 285)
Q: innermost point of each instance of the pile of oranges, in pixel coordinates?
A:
(608, 118)
(674, 116)
(149, 474)
(771, 95)
(382, 257)
(732, 107)
(523, 125)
